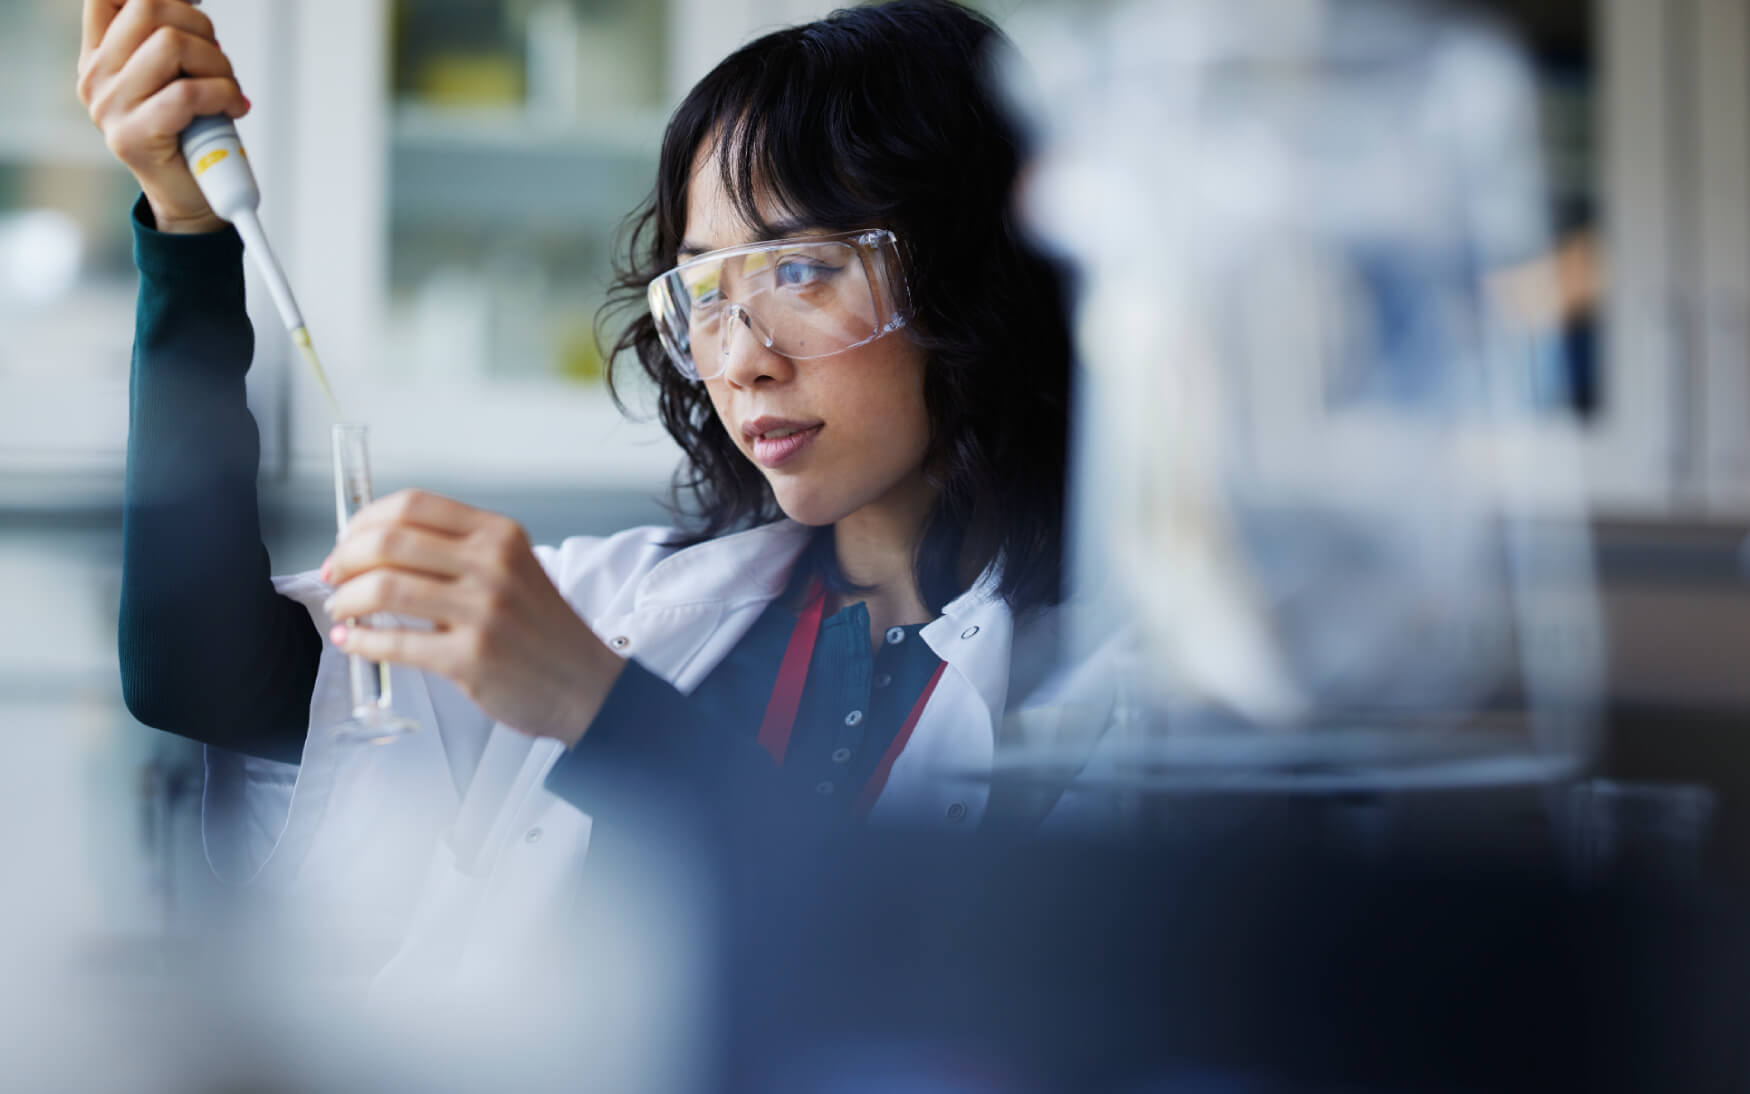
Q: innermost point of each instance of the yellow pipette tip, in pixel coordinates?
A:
(301, 336)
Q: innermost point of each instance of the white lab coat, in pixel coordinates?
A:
(456, 859)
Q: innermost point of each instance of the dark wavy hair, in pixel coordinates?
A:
(884, 116)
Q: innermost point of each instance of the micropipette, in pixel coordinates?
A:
(215, 155)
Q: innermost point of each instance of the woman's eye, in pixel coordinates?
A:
(797, 273)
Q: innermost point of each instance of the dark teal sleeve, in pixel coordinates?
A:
(207, 648)
(687, 745)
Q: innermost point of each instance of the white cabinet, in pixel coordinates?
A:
(1636, 445)
(67, 283)
(456, 190)
(1673, 435)
(66, 290)
(1718, 309)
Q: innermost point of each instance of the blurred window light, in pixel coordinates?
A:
(41, 251)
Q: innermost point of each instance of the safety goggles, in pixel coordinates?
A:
(801, 298)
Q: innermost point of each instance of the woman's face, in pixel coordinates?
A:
(863, 427)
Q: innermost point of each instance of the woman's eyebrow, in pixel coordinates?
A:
(779, 229)
(784, 229)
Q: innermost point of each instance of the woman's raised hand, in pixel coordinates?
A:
(501, 631)
(147, 68)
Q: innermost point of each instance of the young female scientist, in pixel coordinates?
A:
(867, 371)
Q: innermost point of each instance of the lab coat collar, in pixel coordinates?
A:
(757, 563)
(974, 635)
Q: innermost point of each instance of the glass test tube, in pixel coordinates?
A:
(373, 718)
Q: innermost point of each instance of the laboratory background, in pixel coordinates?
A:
(445, 181)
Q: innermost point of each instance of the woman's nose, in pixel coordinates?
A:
(747, 356)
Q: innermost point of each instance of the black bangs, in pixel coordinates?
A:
(882, 117)
(782, 137)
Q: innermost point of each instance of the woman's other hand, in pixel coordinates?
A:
(501, 631)
(147, 68)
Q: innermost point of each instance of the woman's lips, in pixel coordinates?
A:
(772, 452)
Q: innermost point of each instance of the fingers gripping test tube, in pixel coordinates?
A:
(373, 718)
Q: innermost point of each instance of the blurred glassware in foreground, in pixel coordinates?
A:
(1311, 480)
(1636, 831)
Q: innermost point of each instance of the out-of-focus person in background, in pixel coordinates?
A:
(1560, 294)
(867, 369)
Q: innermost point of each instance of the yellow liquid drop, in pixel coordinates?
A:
(302, 337)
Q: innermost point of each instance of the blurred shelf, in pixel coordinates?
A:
(300, 512)
(513, 171)
(53, 426)
(60, 503)
(535, 433)
(635, 133)
(61, 498)
(55, 142)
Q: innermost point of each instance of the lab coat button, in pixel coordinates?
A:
(841, 755)
(620, 642)
(956, 812)
(969, 632)
(533, 835)
(824, 789)
(895, 635)
(853, 717)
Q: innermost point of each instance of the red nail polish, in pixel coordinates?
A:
(338, 634)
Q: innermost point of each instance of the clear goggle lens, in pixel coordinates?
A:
(801, 298)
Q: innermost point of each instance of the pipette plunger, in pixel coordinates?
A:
(215, 155)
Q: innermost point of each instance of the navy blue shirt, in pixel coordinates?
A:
(854, 702)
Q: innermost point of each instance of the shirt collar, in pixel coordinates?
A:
(973, 634)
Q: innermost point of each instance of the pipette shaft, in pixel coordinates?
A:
(215, 155)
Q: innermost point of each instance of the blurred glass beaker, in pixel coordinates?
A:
(1311, 479)
(373, 717)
